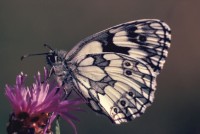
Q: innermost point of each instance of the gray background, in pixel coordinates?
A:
(26, 24)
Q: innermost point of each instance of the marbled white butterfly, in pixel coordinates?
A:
(115, 70)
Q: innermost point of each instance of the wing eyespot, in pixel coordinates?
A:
(128, 72)
(123, 103)
(116, 109)
(127, 64)
(130, 94)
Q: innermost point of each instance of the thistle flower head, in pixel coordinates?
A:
(35, 107)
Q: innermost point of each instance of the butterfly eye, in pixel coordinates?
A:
(51, 58)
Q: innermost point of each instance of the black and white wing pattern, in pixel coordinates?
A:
(116, 69)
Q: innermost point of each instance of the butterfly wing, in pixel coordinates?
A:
(116, 69)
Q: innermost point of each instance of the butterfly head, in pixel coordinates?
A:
(51, 58)
(55, 57)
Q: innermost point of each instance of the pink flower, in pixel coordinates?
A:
(35, 107)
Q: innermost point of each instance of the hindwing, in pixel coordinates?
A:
(118, 86)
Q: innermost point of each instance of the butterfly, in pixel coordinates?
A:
(115, 70)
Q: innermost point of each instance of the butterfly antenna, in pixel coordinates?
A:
(47, 46)
(29, 55)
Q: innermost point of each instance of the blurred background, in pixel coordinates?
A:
(25, 25)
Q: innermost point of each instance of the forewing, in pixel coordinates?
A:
(146, 40)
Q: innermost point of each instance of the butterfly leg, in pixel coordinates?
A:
(67, 90)
(51, 72)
